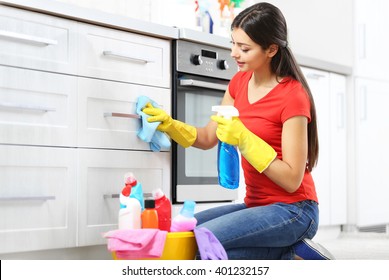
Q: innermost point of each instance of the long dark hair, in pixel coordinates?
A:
(266, 25)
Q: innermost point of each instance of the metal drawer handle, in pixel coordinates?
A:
(340, 109)
(126, 57)
(315, 76)
(121, 115)
(28, 198)
(202, 84)
(363, 103)
(33, 40)
(114, 195)
(10, 106)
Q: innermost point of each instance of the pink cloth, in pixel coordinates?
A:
(136, 243)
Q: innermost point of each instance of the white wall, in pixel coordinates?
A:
(320, 29)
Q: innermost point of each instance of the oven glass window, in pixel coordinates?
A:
(198, 110)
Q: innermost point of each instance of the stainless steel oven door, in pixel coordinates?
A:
(194, 170)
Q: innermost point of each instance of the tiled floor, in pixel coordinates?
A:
(359, 246)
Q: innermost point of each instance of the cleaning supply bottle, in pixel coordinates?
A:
(136, 188)
(164, 209)
(228, 157)
(124, 194)
(185, 221)
(130, 211)
(149, 215)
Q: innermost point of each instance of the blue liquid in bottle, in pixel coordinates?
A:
(228, 165)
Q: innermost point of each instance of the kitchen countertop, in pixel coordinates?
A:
(151, 29)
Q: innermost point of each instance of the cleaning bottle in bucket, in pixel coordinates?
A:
(185, 220)
(136, 188)
(149, 216)
(227, 155)
(164, 209)
(130, 210)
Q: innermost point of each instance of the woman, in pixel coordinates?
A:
(277, 137)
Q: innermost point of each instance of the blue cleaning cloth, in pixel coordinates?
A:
(148, 131)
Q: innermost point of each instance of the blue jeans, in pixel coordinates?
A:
(262, 232)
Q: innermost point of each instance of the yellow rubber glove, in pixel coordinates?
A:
(182, 133)
(254, 149)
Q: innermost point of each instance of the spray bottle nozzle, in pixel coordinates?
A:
(226, 111)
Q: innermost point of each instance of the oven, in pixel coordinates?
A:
(201, 74)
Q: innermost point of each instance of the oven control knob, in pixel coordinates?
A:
(223, 64)
(197, 60)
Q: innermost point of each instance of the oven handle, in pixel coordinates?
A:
(202, 84)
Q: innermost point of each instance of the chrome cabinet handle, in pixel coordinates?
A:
(10, 106)
(340, 110)
(314, 76)
(114, 195)
(361, 41)
(202, 84)
(126, 57)
(27, 198)
(363, 103)
(32, 40)
(121, 115)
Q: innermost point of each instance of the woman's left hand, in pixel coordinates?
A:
(229, 131)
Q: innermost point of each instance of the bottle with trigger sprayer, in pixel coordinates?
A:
(228, 157)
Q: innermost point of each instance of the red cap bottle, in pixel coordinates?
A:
(164, 209)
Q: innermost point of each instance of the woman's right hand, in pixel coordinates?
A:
(158, 115)
(182, 133)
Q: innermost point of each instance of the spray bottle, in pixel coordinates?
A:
(228, 158)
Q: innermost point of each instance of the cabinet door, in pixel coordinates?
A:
(101, 179)
(37, 41)
(37, 108)
(329, 93)
(372, 138)
(37, 198)
(338, 149)
(371, 44)
(106, 110)
(320, 86)
(122, 56)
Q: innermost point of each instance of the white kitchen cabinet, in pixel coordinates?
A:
(122, 56)
(100, 180)
(33, 112)
(61, 156)
(371, 59)
(37, 41)
(372, 138)
(38, 198)
(329, 91)
(106, 113)
(338, 150)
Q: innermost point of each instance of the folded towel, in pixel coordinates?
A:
(136, 243)
(209, 246)
(148, 131)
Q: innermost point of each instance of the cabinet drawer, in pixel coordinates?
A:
(37, 198)
(37, 108)
(97, 98)
(100, 178)
(122, 56)
(37, 41)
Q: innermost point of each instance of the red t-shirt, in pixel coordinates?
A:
(265, 118)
